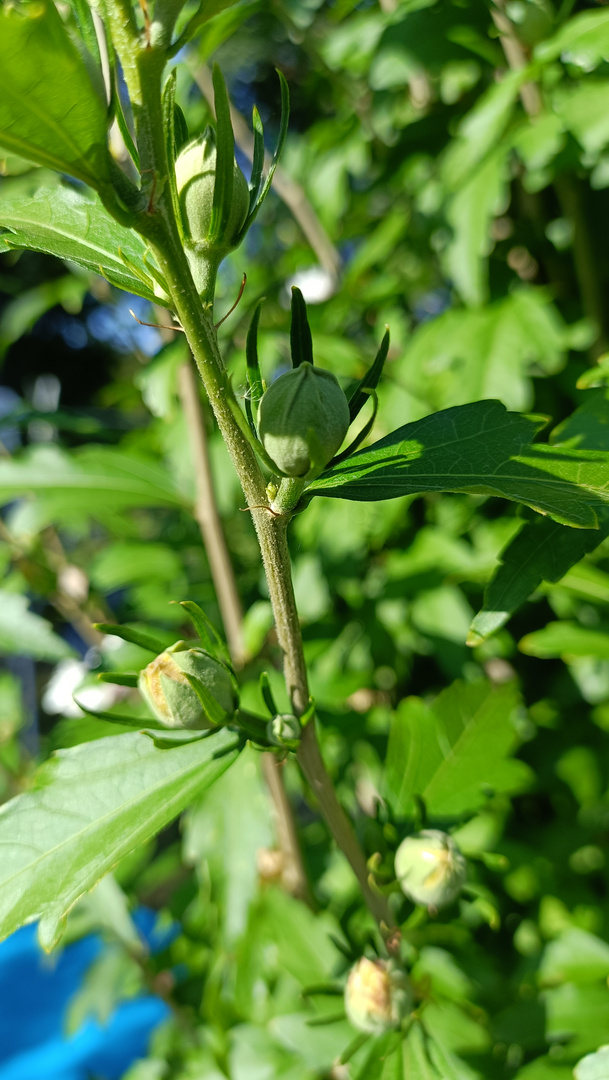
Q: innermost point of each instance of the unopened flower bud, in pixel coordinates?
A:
(172, 699)
(195, 181)
(593, 1066)
(303, 418)
(284, 730)
(430, 868)
(377, 996)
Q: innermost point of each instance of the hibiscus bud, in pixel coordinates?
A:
(377, 996)
(593, 1066)
(171, 697)
(284, 730)
(303, 418)
(195, 181)
(430, 868)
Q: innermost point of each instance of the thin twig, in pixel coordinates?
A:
(206, 514)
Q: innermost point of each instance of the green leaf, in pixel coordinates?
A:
(86, 483)
(482, 129)
(453, 753)
(417, 1065)
(490, 352)
(24, 634)
(584, 111)
(226, 830)
(72, 224)
(583, 40)
(469, 214)
(565, 639)
(544, 550)
(301, 343)
(481, 449)
(90, 806)
(578, 1016)
(49, 110)
(449, 1066)
(575, 956)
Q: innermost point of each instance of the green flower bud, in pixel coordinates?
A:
(303, 418)
(170, 696)
(430, 868)
(284, 730)
(195, 181)
(377, 996)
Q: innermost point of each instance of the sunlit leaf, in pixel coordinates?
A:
(72, 224)
(90, 806)
(454, 753)
(481, 449)
(49, 110)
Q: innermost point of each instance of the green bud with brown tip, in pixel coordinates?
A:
(377, 996)
(303, 418)
(166, 689)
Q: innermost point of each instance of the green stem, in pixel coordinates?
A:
(158, 225)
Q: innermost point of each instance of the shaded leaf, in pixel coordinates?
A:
(490, 352)
(469, 214)
(565, 639)
(92, 479)
(24, 634)
(90, 806)
(545, 550)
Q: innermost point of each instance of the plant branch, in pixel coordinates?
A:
(206, 514)
(195, 314)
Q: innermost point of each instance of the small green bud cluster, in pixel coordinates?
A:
(284, 730)
(195, 181)
(171, 697)
(377, 996)
(303, 418)
(430, 868)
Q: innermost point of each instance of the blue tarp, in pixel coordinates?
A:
(35, 990)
